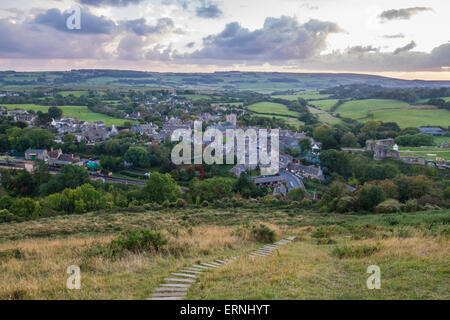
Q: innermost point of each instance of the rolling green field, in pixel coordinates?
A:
(414, 117)
(292, 121)
(74, 93)
(404, 114)
(196, 97)
(307, 95)
(82, 113)
(325, 105)
(427, 153)
(272, 108)
(359, 108)
(324, 116)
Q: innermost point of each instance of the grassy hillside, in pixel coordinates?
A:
(265, 82)
(404, 114)
(82, 113)
(328, 260)
(272, 108)
(325, 105)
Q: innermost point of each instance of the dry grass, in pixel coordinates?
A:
(39, 273)
(411, 268)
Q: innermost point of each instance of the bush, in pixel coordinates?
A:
(263, 234)
(412, 205)
(136, 241)
(389, 206)
(6, 216)
(253, 233)
(355, 252)
(345, 204)
(370, 196)
(296, 194)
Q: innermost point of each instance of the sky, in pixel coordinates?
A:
(404, 39)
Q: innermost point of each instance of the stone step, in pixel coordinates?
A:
(214, 263)
(194, 269)
(189, 271)
(178, 280)
(175, 285)
(168, 294)
(198, 266)
(209, 265)
(171, 289)
(167, 298)
(183, 275)
(221, 261)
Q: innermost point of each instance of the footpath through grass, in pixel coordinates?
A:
(329, 259)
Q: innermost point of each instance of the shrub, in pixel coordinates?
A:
(263, 234)
(296, 194)
(370, 196)
(259, 233)
(345, 204)
(136, 241)
(6, 216)
(180, 203)
(355, 252)
(389, 206)
(412, 205)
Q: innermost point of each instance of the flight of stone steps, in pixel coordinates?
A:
(177, 285)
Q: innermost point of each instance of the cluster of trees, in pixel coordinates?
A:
(403, 193)
(364, 91)
(415, 140)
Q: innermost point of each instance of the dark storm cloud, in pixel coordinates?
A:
(408, 47)
(141, 28)
(89, 23)
(279, 39)
(402, 14)
(209, 11)
(111, 3)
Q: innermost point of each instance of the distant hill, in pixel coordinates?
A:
(232, 80)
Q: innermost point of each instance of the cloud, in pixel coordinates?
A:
(361, 49)
(40, 41)
(90, 24)
(436, 60)
(190, 45)
(394, 36)
(111, 3)
(280, 39)
(141, 28)
(210, 11)
(402, 14)
(408, 47)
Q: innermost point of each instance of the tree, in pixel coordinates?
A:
(296, 194)
(211, 189)
(370, 196)
(74, 176)
(55, 112)
(246, 187)
(161, 187)
(305, 145)
(138, 157)
(349, 140)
